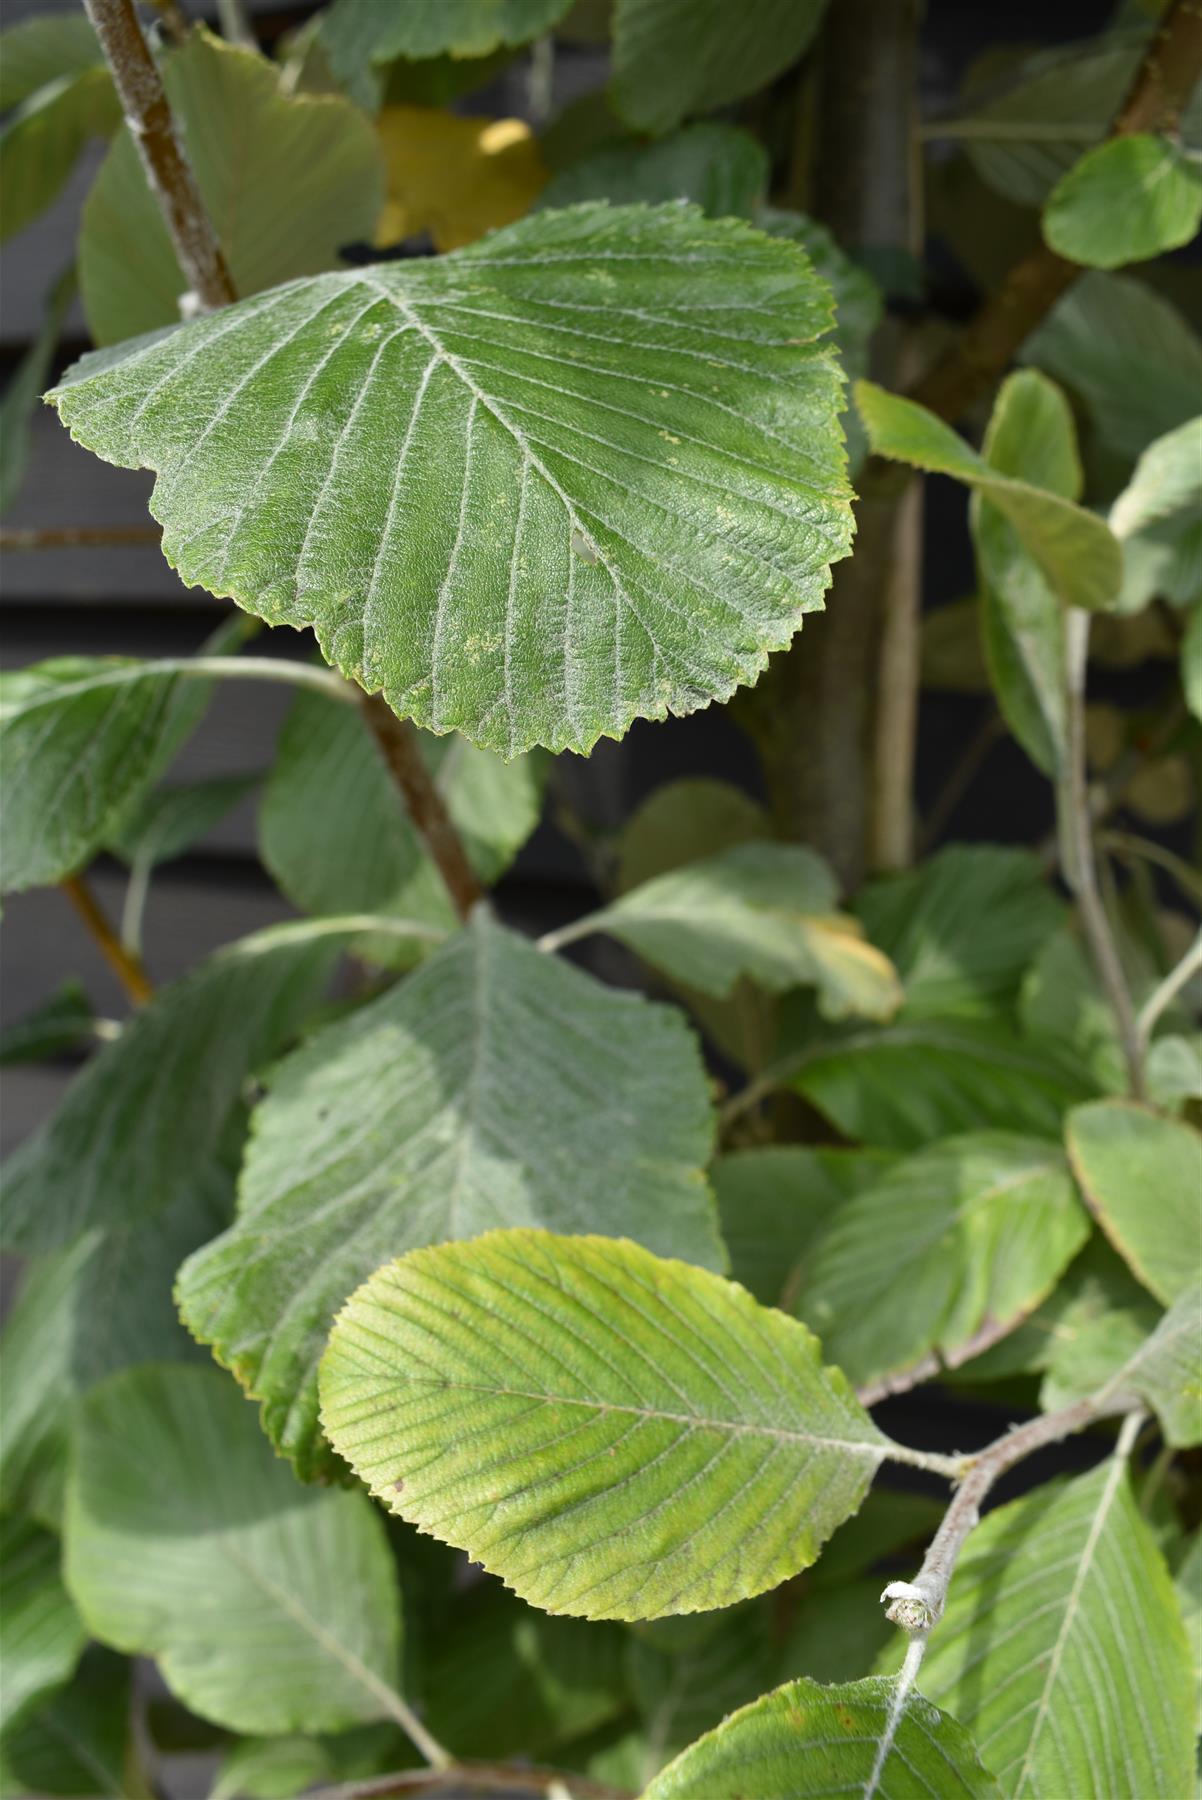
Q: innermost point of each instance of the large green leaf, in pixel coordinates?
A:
(615, 1435)
(959, 1240)
(1166, 484)
(42, 49)
(267, 1608)
(357, 31)
(1030, 127)
(1142, 1176)
(299, 177)
(76, 1742)
(1163, 1371)
(805, 1741)
(962, 927)
(1074, 549)
(336, 837)
(774, 1203)
(78, 737)
(1127, 352)
(73, 1323)
(1125, 201)
(722, 170)
(584, 471)
(41, 139)
(764, 911)
(1031, 435)
(139, 1122)
(41, 1635)
(903, 1085)
(496, 1086)
(676, 57)
(681, 822)
(1062, 1649)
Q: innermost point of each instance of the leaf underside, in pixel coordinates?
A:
(585, 471)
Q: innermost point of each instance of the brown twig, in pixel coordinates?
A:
(144, 102)
(1166, 78)
(497, 1778)
(77, 537)
(400, 747)
(125, 964)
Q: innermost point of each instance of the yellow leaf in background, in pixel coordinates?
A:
(453, 177)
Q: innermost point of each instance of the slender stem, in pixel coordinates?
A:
(918, 1605)
(126, 965)
(235, 25)
(933, 1461)
(136, 890)
(960, 778)
(266, 668)
(78, 537)
(496, 1778)
(144, 102)
(1169, 988)
(1077, 856)
(568, 934)
(401, 749)
(1166, 78)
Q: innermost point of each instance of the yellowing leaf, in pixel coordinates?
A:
(455, 178)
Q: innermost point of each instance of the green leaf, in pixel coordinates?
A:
(335, 835)
(267, 1608)
(1141, 1175)
(805, 1741)
(859, 305)
(41, 1637)
(42, 138)
(774, 1203)
(166, 821)
(495, 1086)
(300, 177)
(1073, 548)
(76, 1742)
(722, 170)
(1125, 201)
(764, 911)
(43, 49)
(78, 736)
(659, 1443)
(904, 1085)
(277, 1768)
(956, 1243)
(63, 1022)
(962, 927)
(572, 566)
(683, 821)
(1191, 660)
(138, 1122)
(73, 1324)
(24, 388)
(1164, 1371)
(672, 58)
(1031, 129)
(1166, 484)
(358, 31)
(1188, 1583)
(1062, 1649)
(1127, 353)
(1031, 434)
(503, 1680)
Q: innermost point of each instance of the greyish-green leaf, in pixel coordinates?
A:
(584, 471)
(1142, 1177)
(300, 177)
(1129, 199)
(266, 1607)
(41, 1634)
(1164, 1370)
(774, 1203)
(722, 170)
(805, 1741)
(957, 1242)
(76, 1742)
(672, 58)
(137, 1123)
(335, 835)
(1062, 1648)
(41, 139)
(496, 1086)
(614, 1434)
(764, 911)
